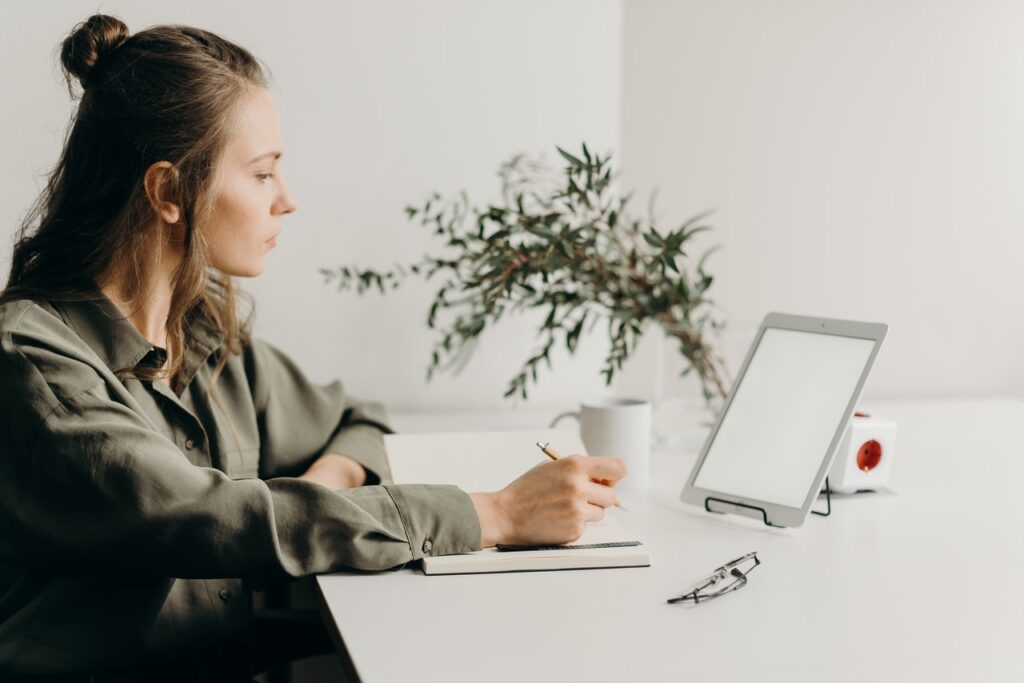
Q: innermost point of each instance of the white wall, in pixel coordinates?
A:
(866, 159)
(381, 104)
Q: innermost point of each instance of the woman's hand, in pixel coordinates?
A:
(335, 472)
(551, 503)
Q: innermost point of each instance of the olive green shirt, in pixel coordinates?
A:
(134, 520)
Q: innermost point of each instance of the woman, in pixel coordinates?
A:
(159, 461)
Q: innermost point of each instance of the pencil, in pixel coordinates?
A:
(548, 450)
(553, 454)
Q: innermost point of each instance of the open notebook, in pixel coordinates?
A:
(487, 461)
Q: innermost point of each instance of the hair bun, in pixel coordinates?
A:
(89, 42)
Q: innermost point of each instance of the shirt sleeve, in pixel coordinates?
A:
(89, 486)
(300, 420)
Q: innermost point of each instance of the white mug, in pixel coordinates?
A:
(619, 427)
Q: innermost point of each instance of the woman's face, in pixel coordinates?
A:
(251, 194)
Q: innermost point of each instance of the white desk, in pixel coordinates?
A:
(923, 585)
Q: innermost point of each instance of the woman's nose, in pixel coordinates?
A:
(286, 202)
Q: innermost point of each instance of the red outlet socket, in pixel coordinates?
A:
(869, 455)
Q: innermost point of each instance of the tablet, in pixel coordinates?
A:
(773, 443)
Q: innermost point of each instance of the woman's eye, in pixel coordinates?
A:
(264, 176)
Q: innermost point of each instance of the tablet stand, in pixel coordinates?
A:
(764, 513)
(828, 501)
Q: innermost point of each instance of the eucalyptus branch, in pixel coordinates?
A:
(563, 243)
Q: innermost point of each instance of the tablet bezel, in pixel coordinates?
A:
(774, 513)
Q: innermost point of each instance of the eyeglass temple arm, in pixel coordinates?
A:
(694, 594)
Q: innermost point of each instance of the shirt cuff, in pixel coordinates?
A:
(365, 445)
(439, 520)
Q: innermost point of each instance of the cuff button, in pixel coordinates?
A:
(427, 546)
(224, 594)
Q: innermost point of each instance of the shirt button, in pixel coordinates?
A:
(224, 594)
(427, 546)
(189, 444)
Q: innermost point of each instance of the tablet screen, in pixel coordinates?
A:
(783, 416)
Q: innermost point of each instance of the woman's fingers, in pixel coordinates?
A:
(599, 494)
(594, 513)
(605, 468)
(599, 475)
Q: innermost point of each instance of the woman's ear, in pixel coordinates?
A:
(160, 186)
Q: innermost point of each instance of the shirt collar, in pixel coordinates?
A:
(121, 346)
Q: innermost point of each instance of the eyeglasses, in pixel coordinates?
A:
(715, 585)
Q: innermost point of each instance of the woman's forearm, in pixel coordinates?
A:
(335, 471)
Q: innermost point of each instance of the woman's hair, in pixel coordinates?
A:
(168, 93)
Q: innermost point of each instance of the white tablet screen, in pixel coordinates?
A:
(783, 416)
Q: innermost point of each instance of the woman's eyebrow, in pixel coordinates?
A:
(275, 154)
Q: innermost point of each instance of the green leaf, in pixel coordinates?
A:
(573, 336)
(568, 157)
(549, 321)
(696, 219)
(546, 233)
(687, 234)
(709, 252)
(497, 235)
